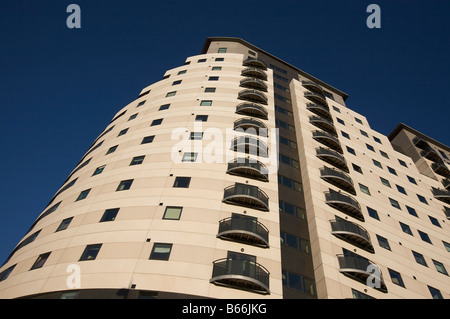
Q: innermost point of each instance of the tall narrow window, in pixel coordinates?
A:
(396, 278)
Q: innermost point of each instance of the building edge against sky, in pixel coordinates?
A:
(240, 176)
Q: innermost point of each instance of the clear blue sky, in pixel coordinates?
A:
(60, 87)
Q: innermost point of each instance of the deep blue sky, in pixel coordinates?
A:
(60, 87)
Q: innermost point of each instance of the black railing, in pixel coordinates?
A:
(252, 109)
(246, 195)
(250, 145)
(248, 168)
(244, 229)
(253, 96)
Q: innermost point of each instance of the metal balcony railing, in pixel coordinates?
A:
(316, 98)
(320, 110)
(338, 178)
(332, 157)
(441, 169)
(447, 212)
(254, 83)
(314, 87)
(247, 196)
(245, 230)
(344, 203)
(251, 62)
(252, 109)
(323, 124)
(420, 143)
(250, 145)
(441, 194)
(254, 72)
(430, 154)
(241, 274)
(328, 140)
(248, 168)
(352, 233)
(253, 96)
(251, 126)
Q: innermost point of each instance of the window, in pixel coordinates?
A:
(291, 209)
(411, 211)
(182, 182)
(189, 157)
(424, 237)
(295, 242)
(290, 183)
(373, 213)
(411, 179)
(148, 139)
(376, 163)
(383, 242)
(364, 133)
(156, 122)
(83, 194)
(298, 282)
(216, 68)
(125, 185)
(435, 293)
(434, 221)
(360, 295)
(336, 109)
(201, 118)
(340, 121)
(289, 161)
(396, 277)
(385, 182)
(344, 134)
(370, 147)
(111, 150)
(137, 160)
(181, 72)
(391, 170)
(123, 132)
(351, 150)
(219, 59)
(447, 246)
(358, 120)
(40, 261)
(109, 215)
(161, 251)
(210, 90)
(401, 189)
(394, 203)
(132, 117)
(206, 103)
(5, 274)
(402, 163)
(440, 267)
(90, 252)
(176, 82)
(422, 199)
(144, 93)
(64, 224)
(384, 154)
(406, 229)
(287, 142)
(364, 189)
(166, 76)
(222, 50)
(376, 139)
(419, 258)
(172, 212)
(201, 60)
(141, 103)
(164, 107)
(171, 94)
(196, 136)
(213, 78)
(443, 154)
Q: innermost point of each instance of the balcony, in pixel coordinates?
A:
(255, 73)
(441, 194)
(420, 143)
(253, 96)
(246, 167)
(333, 158)
(447, 212)
(323, 124)
(446, 183)
(244, 229)
(250, 62)
(241, 274)
(320, 110)
(313, 87)
(352, 233)
(359, 269)
(328, 140)
(338, 178)
(250, 145)
(430, 154)
(247, 196)
(252, 109)
(254, 83)
(441, 169)
(344, 203)
(251, 126)
(316, 98)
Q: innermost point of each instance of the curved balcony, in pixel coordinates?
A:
(247, 196)
(241, 274)
(328, 140)
(441, 169)
(254, 83)
(255, 73)
(253, 96)
(420, 143)
(352, 233)
(313, 87)
(446, 183)
(316, 98)
(250, 145)
(344, 203)
(333, 158)
(320, 110)
(441, 194)
(447, 212)
(430, 154)
(248, 168)
(323, 124)
(251, 126)
(359, 269)
(245, 230)
(255, 63)
(252, 109)
(338, 178)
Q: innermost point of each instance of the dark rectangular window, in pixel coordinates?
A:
(376, 139)
(419, 258)
(148, 139)
(109, 215)
(173, 93)
(383, 242)
(64, 224)
(201, 118)
(213, 78)
(434, 221)
(132, 117)
(340, 121)
(385, 182)
(411, 179)
(210, 90)
(219, 59)
(394, 203)
(141, 103)
(435, 293)
(411, 211)
(351, 150)
(161, 251)
(176, 82)
(384, 154)
(373, 213)
(156, 122)
(396, 277)
(5, 274)
(364, 189)
(83, 194)
(125, 185)
(40, 261)
(173, 212)
(391, 170)
(377, 164)
(344, 134)
(90, 252)
(181, 72)
(164, 107)
(189, 157)
(406, 229)
(402, 163)
(201, 60)
(370, 147)
(182, 182)
(424, 237)
(422, 199)
(401, 189)
(222, 50)
(206, 103)
(112, 149)
(440, 267)
(196, 136)
(144, 93)
(137, 160)
(364, 133)
(123, 132)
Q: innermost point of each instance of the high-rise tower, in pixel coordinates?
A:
(239, 175)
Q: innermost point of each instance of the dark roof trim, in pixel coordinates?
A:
(251, 46)
(405, 127)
